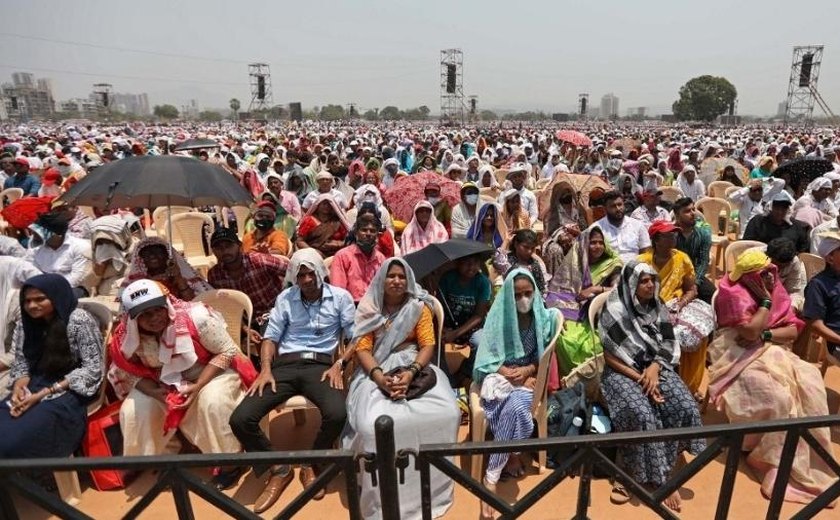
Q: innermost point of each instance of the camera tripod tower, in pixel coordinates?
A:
(452, 85)
(260, 79)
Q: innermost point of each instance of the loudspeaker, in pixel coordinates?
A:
(583, 106)
(14, 102)
(451, 69)
(732, 108)
(295, 112)
(805, 70)
(105, 99)
(260, 88)
(472, 106)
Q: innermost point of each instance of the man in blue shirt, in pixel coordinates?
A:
(22, 179)
(822, 294)
(304, 328)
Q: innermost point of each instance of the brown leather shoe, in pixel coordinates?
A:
(307, 477)
(273, 489)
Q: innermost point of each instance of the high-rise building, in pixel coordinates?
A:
(25, 98)
(609, 106)
(781, 110)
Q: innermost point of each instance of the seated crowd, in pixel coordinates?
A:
(340, 318)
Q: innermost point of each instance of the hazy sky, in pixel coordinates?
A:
(528, 54)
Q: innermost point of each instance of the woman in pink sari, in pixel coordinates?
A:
(755, 377)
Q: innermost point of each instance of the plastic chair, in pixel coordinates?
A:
(813, 264)
(671, 193)
(188, 232)
(241, 213)
(711, 208)
(501, 176)
(717, 189)
(734, 250)
(729, 191)
(160, 216)
(10, 195)
(235, 307)
(539, 408)
(67, 482)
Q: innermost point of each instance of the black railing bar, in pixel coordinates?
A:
(216, 498)
(635, 488)
(727, 483)
(783, 473)
(612, 439)
(183, 505)
(820, 503)
(422, 466)
(827, 457)
(550, 481)
(49, 501)
(178, 461)
(149, 496)
(351, 484)
(8, 510)
(470, 484)
(584, 495)
(685, 473)
(386, 467)
(327, 474)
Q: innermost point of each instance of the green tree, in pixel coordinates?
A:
(234, 105)
(165, 111)
(704, 98)
(332, 112)
(210, 115)
(488, 115)
(425, 111)
(390, 113)
(369, 115)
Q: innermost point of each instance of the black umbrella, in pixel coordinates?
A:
(803, 170)
(196, 144)
(433, 256)
(155, 181)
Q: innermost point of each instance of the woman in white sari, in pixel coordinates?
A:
(394, 329)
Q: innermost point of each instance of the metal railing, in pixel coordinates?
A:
(174, 471)
(587, 450)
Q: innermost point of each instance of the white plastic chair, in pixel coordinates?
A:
(241, 213)
(713, 210)
(734, 250)
(235, 307)
(189, 236)
(160, 215)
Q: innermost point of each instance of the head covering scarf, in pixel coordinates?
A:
(359, 195)
(328, 198)
(476, 230)
(137, 269)
(311, 259)
(634, 333)
(370, 314)
(414, 237)
(519, 221)
(487, 169)
(501, 340)
(64, 302)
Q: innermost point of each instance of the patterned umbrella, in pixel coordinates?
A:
(573, 137)
(804, 170)
(582, 184)
(408, 191)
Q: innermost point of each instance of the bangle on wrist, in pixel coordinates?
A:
(373, 371)
(767, 335)
(766, 304)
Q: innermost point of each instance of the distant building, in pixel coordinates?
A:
(82, 108)
(609, 106)
(134, 104)
(27, 98)
(782, 109)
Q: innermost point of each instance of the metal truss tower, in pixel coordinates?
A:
(452, 106)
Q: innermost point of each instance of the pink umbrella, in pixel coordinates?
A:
(408, 191)
(573, 137)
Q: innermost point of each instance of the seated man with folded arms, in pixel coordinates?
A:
(304, 329)
(822, 294)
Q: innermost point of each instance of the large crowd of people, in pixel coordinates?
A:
(340, 318)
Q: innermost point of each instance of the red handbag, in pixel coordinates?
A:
(104, 439)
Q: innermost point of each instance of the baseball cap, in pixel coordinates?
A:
(51, 177)
(224, 234)
(142, 295)
(661, 226)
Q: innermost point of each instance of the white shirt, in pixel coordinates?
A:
(748, 208)
(641, 214)
(528, 201)
(628, 239)
(336, 195)
(828, 225)
(71, 260)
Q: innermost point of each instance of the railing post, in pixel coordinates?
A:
(386, 467)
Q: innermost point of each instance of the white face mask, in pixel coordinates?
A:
(524, 304)
(433, 200)
(471, 199)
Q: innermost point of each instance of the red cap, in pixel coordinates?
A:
(51, 177)
(661, 226)
(22, 161)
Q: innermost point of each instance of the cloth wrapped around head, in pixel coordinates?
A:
(310, 258)
(749, 261)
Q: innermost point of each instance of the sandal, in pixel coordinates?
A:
(619, 494)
